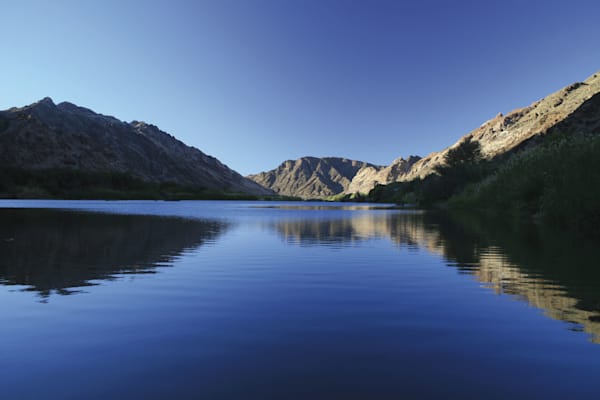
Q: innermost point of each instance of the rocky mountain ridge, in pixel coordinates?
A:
(312, 177)
(45, 135)
(368, 177)
(497, 136)
(505, 133)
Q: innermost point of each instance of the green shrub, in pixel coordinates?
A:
(557, 183)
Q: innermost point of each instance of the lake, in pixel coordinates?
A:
(285, 300)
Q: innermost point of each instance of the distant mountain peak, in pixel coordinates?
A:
(311, 177)
(367, 178)
(75, 109)
(45, 101)
(410, 159)
(141, 124)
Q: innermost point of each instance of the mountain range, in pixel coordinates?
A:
(45, 136)
(48, 136)
(311, 177)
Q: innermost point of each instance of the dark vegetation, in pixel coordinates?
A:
(555, 182)
(77, 184)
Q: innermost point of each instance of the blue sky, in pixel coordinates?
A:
(254, 83)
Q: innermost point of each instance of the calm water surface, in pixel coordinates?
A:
(235, 300)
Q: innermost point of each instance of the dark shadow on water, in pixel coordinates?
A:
(53, 251)
(550, 270)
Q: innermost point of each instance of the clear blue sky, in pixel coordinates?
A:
(256, 82)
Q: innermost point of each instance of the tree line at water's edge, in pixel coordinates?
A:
(555, 182)
(74, 184)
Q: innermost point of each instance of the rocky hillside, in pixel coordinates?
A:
(504, 133)
(45, 135)
(564, 109)
(312, 177)
(368, 177)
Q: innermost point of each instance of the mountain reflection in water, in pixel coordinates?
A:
(551, 271)
(53, 251)
(290, 302)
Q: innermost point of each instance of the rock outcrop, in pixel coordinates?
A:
(312, 177)
(368, 177)
(45, 135)
(505, 133)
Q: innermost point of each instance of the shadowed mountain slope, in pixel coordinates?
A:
(45, 135)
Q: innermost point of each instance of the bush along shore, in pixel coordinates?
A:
(75, 184)
(555, 182)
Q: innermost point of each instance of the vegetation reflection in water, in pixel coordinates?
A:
(52, 251)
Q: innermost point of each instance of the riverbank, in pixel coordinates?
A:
(71, 184)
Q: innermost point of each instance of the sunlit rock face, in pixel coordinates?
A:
(312, 177)
(368, 177)
(567, 110)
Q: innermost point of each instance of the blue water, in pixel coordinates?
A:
(250, 300)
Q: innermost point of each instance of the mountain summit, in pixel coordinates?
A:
(45, 135)
(312, 177)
